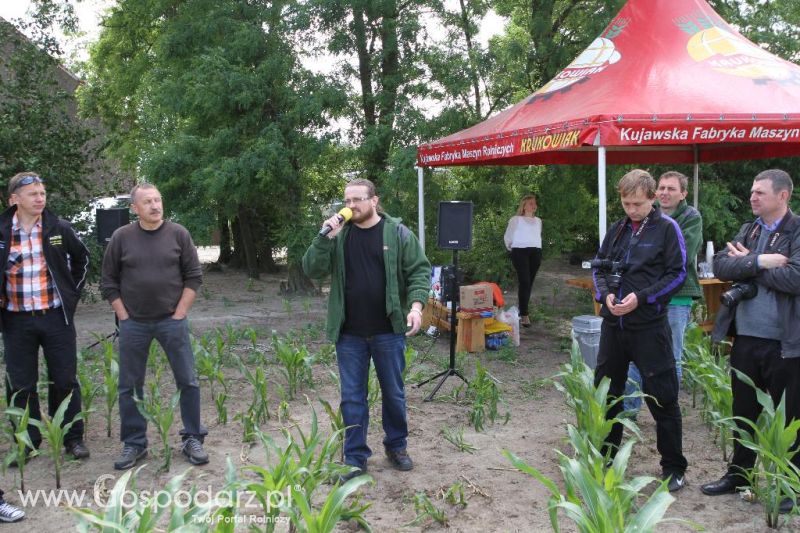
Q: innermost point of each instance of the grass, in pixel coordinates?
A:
(456, 438)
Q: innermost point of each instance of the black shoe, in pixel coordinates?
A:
(77, 449)
(400, 460)
(727, 484)
(357, 471)
(787, 505)
(129, 457)
(675, 482)
(193, 450)
(10, 513)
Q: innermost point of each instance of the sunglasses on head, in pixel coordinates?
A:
(27, 180)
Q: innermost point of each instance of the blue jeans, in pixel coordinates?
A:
(353, 355)
(134, 347)
(678, 317)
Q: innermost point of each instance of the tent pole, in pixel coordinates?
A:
(696, 175)
(601, 191)
(421, 206)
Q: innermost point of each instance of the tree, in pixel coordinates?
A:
(39, 127)
(218, 112)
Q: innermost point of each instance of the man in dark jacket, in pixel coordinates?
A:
(380, 280)
(45, 266)
(764, 261)
(672, 190)
(648, 265)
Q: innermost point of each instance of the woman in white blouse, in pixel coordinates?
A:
(523, 239)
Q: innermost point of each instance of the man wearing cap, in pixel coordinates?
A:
(44, 269)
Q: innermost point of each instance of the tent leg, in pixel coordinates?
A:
(421, 206)
(601, 192)
(696, 176)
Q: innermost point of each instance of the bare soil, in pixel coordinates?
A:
(499, 497)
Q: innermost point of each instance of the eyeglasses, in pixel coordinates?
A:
(352, 201)
(27, 180)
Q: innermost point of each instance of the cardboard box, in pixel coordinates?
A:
(476, 298)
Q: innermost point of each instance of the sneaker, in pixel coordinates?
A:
(193, 450)
(787, 505)
(675, 482)
(357, 471)
(77, 449)
(400, 460)
(129, 457)
(10, 513)
(525, 321)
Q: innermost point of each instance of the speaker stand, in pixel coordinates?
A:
(451, 369)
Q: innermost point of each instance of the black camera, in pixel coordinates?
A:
(613, 271)
(744, 290)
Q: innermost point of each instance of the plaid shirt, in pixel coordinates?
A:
(29, 286)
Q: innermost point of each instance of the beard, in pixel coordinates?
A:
(362, 215)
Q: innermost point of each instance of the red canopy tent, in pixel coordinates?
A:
(668, 81)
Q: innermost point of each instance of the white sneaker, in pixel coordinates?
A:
(10, 513)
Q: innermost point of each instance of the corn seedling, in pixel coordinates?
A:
(90, 388)
(53, 431)
(287, 306)
(259, 406)
(307, 307)
(167, 508)
(426, 511)
(249, 426)
(705, 371)
(599, 498)
(208, 366)
(773, 439)
(161, 416)
(110, 382)
(456, 438)
(455, 495)
(337, 421)
(283, 412)
(410, 356)
(484, 393)
(333, 510)
(326, 354)
(22, 448)
(590, 404)
(295, 364)
(222, 411)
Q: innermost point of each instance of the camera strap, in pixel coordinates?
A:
(754, 232)
(634, 240)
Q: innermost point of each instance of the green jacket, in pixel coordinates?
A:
(408, 273)
(691, 224)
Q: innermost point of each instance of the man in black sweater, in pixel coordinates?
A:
(151, 274)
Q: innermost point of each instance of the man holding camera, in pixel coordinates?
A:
(761, 311)
(640, 265)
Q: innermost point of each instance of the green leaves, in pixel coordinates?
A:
(53, 431)
(161, 415)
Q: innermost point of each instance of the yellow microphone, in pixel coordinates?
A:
(345, 214)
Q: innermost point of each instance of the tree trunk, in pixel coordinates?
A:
(248, 243)
(225, 250)
(298, 282)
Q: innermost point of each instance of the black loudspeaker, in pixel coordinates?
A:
(108, 220)
(455, 225)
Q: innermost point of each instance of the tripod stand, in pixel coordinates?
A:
(114, 335)
(451, 369)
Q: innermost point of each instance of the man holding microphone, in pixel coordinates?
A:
(380, 279)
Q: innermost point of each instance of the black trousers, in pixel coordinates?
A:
(651, 350)
(526, 262)
(23, 334)
(760, 360)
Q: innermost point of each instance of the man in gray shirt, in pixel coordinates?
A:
(764, 262)
(151, 274)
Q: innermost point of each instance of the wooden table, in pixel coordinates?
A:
(585, 283)
(470, 330)
(712, 290)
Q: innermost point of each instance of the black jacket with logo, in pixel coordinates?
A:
(655, 268)
(66, 256)
(785, 281)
